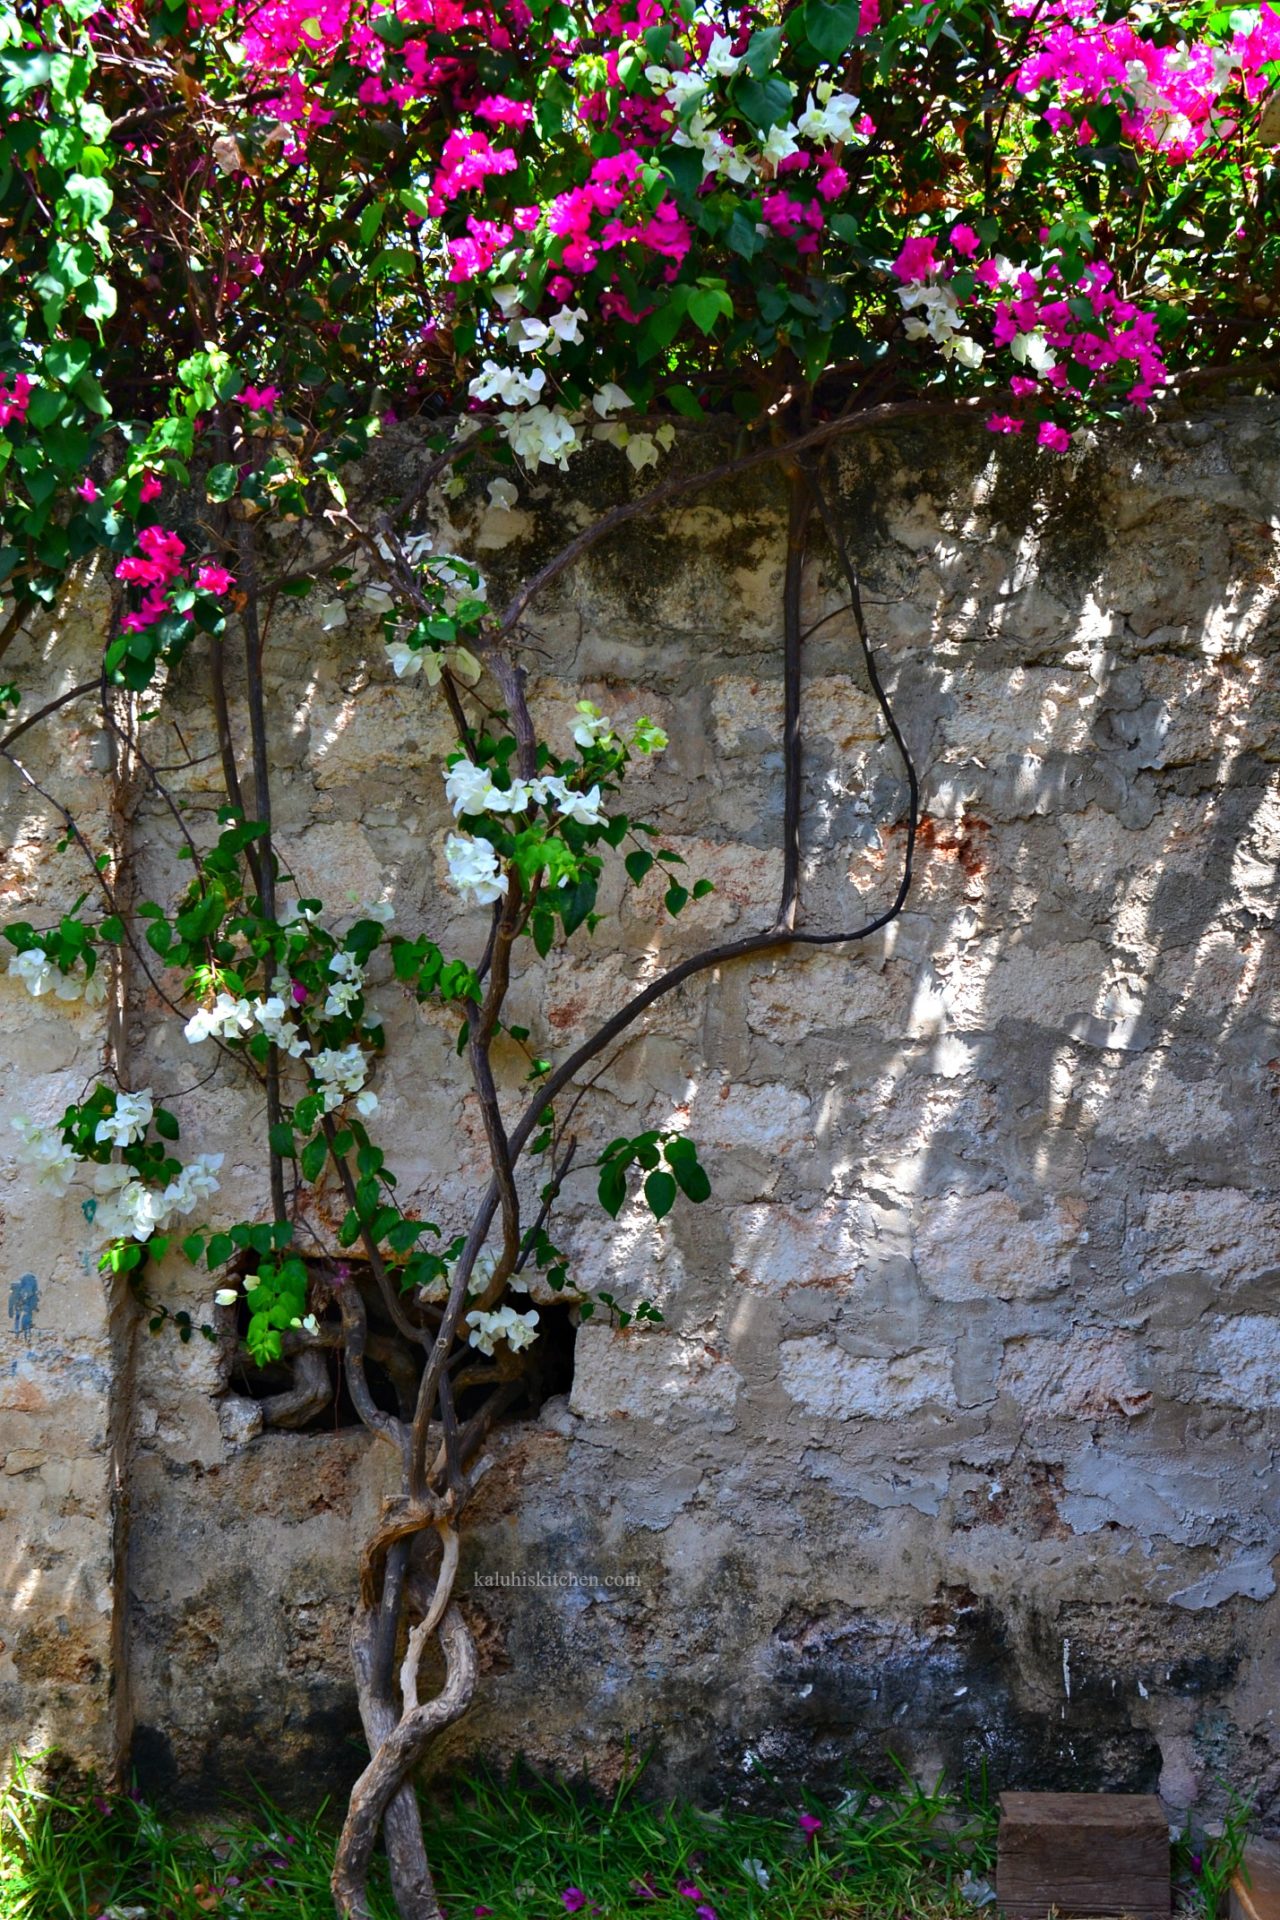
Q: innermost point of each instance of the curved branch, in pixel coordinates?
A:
(435, 1613)
(392, 1764)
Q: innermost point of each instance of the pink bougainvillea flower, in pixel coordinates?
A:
(259, 399)
(918, 257)
(15, 394)
(151, 489)
(809, 1823)
(86, 491)
(213, 578)
(1004, 423)
(1054, 437)
(964, 240)
(573, 1899)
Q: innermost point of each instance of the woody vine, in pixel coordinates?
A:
(238, 240)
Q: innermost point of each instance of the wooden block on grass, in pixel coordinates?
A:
(1083, 1853)
(1255, 1892)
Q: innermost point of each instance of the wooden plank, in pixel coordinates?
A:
(1255, 1893)
(1093, 1854)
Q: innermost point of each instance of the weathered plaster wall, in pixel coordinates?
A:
(960, 1432)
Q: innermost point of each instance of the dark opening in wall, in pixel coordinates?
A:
(307, 1391)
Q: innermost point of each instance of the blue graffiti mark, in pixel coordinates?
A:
(24, 1302)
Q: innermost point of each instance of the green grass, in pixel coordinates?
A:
(523, 1850)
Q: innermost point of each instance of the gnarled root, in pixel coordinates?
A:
(384, 1793)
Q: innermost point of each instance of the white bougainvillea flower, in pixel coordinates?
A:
(512, 385)
(517, 1329)
(502, 494)
(404, 658)
(582, 807)
(225, 1297)
(544, 436)
(610, 399)
(129, 1122)
(1034, 351)
(35, 970)
(474, 869)
(591, 726)
(227, 1019)
(44, 1150)
(272, 1016)
(341, 1071)
(468, 788)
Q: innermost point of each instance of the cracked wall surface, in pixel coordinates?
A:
(959, 1435)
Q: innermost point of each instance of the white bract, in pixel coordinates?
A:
(129, 1122)
(39, 975)
(512, 385)
(517, 1329)
(832, 121)
(591, 727)
(340, 1071)
(544, 436)
(346, 988)
(227, 1019)
(609, 399)
(468, 788)
(44, 1150)
(582, 807)
(1033, 350)
(474, 869)
(272, 1016)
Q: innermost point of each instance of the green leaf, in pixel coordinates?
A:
(638, 864)
(706, 304)
(660, 1192)
(193, 1247)
(675, 899)
(765, 103)
(220, 482)
(682, 1157)
(742, 235)
(831, 30)
(313, 1157)
(221, 1248)
(612, 1188)
(282, 1140)
(165, 1124)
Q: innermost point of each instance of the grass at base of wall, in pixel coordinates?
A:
(515, 1850)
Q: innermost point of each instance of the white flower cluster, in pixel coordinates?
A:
(486, 1265)
(517, 1329)
(346, 988)
(40, 975)
(129, 1122)
(827, 119)
(432, 662)
(474, 870)
(44, 1150)
(935, 315)
(342, 1071)
(125, 1209)
(470, 790)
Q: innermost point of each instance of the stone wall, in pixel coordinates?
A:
(959, 1434)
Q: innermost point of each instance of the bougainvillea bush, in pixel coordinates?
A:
(241, 240)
